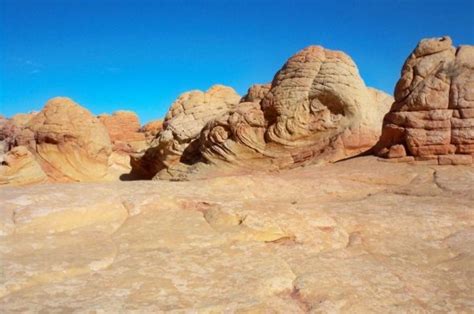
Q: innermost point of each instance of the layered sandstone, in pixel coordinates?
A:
(432, 117)
(19, 167)
(317, 109)
(124, 131)
(358, 236)
(152, 129)
(256, 93)
(177, 142)
(68, 141)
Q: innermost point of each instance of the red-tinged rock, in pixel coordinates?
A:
(433, 112)
(455, 159)
(123, 126)
(397, 151)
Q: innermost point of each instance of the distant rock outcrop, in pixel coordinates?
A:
(124, 130)
(68, 141)
(432, 117)
(178, 140)
(256, 93)
(11, 129)
(152, 129)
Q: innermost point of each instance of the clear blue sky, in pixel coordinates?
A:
(140, 55)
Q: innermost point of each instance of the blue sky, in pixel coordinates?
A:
(140, 55)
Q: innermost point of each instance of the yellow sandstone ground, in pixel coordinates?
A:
(358, 236)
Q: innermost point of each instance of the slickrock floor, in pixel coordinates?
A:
(358, 236)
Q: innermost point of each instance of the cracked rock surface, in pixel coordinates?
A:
(357, 236)
(432, 117)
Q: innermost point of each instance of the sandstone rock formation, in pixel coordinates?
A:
(432, 117)
(127, 139)
(11, 129)
(3, 136)
(317, 109)
(22, 119)
(178, 140)
(358, 236)
(124, 131)
(68, 141)
(256, 93)
(19, 167)
(152, 129)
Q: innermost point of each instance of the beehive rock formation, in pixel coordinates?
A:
(68, 141)
(178, 140)
(432, 117)
(317, 109)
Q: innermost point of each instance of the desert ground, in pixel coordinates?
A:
(358, 236)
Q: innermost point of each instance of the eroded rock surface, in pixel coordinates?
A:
(19, 167)
(152, 129)
(68, 141)
(178, 141)
(317, 109)
(127, 139)
(256, 93)
(124, 131)
(433, 114)
(11, 129)
(357, 236)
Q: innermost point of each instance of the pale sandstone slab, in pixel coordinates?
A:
(355, 236)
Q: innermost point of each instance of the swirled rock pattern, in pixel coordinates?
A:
(178, 141)
(432, 117)
(317, 109)
(19, 167)
(68, 141)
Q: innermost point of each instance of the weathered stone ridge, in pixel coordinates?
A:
(317, 109)
(433, 112)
